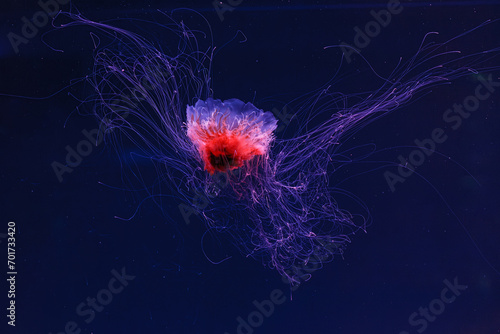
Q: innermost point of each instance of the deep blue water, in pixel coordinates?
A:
(68, 242)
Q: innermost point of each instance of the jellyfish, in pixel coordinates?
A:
(229, 134)
(272, 195)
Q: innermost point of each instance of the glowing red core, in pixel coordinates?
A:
(226, 134)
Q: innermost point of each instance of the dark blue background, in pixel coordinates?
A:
(68, 241)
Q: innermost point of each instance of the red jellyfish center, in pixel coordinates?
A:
(229, 133)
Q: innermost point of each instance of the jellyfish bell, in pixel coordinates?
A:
(229, 133)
